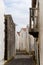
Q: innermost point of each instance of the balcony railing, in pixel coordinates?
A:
(34, 19)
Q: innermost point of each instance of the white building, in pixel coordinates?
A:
(17, 44)
(1, 30)
(27, 38)
(23, 39)
(41, 30)
(31, 43)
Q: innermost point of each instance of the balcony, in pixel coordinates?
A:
(33, 29)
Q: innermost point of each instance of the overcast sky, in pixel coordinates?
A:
(19, 9)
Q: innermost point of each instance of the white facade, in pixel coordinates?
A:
(1, 29)
(27, 39)
(22, 40)
(31, 44)
(30, 41)
(17, 44)
(41, 30)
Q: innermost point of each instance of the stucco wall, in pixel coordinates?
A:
(1, 29)
(22, 40)
(10, 37)
(41, 30)
(31, 44)
(17, 42)
(27, 40)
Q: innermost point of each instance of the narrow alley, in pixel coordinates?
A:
(22, 45)
(21, 61)
(22, 58)
(19, 28)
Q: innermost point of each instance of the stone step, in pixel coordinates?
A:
(23, 56)
(22, 53)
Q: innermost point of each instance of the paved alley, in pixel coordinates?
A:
(21, 61)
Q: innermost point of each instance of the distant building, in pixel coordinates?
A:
(27, 39)
(17, 41)
(24, 39)
(9, 37)
(31, 43)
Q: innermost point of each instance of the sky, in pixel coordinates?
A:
(19, 9)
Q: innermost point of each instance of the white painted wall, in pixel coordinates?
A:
(31, 43)
(41, 30)
(27, 39)
(22, 40)
(17, 41)
(1, 29)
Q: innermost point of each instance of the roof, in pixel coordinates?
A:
(24, 29)
(18, 33)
